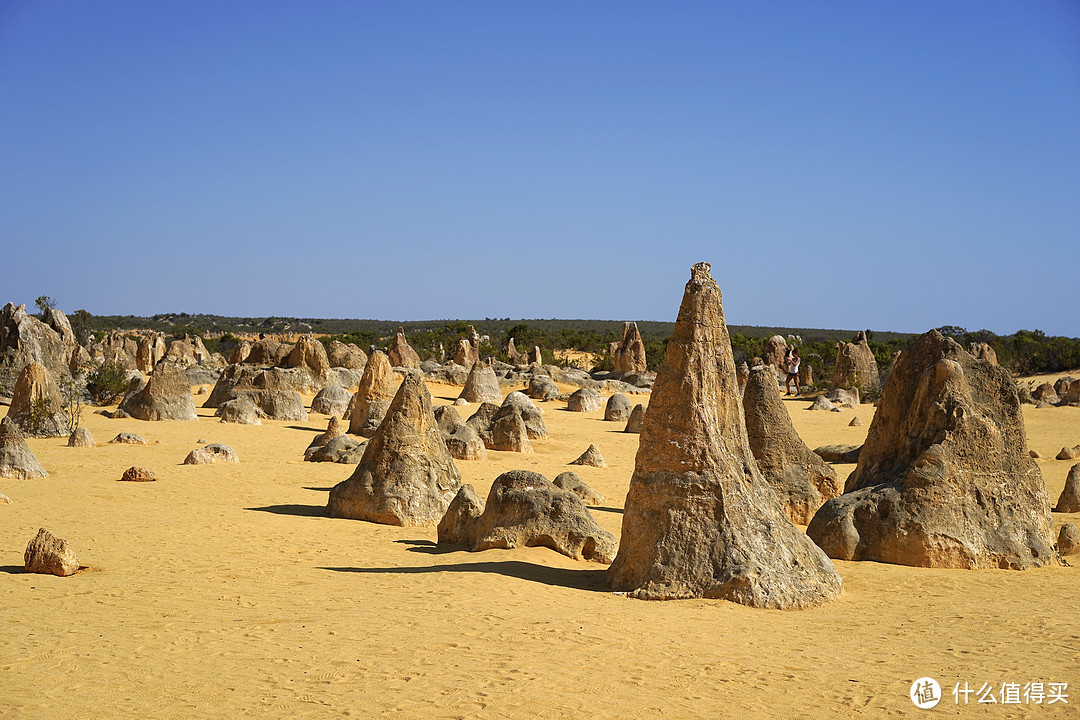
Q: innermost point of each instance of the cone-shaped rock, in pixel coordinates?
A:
(508, 431)
(80, 437)
(310, 354)
(16, 459)
(629, 355)
(700, 520)
(801, 479)
(534, 419)
(166, 396)
(373, 396)
(35, 404)
(856, 365)
(591, 457)
(524, 509)
(637, 417)
(482, 385)
(944, 478)
(1069, 500)
(401, 353)
(406, 476)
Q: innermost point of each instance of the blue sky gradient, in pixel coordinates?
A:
(890, 165)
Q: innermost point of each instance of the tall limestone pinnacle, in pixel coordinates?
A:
(700, 520)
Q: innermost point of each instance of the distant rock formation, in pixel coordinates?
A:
(945, 478)
(166, 396)
(801, 479)
(467, 350)
(855, 365)
(309, 354)
(984, 351)
(401, 354)
(346, 355)
(774, 353)
(524, 509)
(212, 453)
(700, 520)
(25, 339)
(373, 396)
(629, 356)
(461, 439)
(482, 384)
(407, 476)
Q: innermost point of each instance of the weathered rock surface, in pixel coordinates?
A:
(25, 339)
(843, 397)
(983, 351)
(137, 474)
(856, 422)
(569, 480)
(401, 354)
(945, 478)
(16, 459)
(532, 416)
(801, 479)
(1068, 542)
(618, 408)
(406, 476)
(309, 354)
(241, 411)
(629, 355)
(461, 439)
(212, 453)
(331, 400)
(524, 509)
(482, 385)
(637, 417)
(700, 520)
(346, 355)
(508, 432)
(742, 376)
(839, 453)
(590, 457)
(821, 403)
(373, 396)
(584, 400)
(1068, 453)
(35, 404)
(80, 437)
(855, 365)
(1069, 500)
(130, 438)
(542, 387)
(775, 350)
(166, 396)
(467, 350)
(268, 351)
(340, 449)
(49, 555)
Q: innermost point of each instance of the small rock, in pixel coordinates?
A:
(855, 422)
(137, 474)
(821, 403)
(128, 438)
(1068, 539)
(5, 500)
(80, 438)
(1069, 453)
(618, 408)
(838, 453)
(591, 457)
(569, 480)
(1034, 453)
(50, 555)
(212, 453)
(202, 441)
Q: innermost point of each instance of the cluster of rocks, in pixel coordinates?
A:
(1064, 392)
(246, 395)
(511, 426)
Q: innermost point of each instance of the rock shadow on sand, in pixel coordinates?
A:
(590, 580)
(297, 510)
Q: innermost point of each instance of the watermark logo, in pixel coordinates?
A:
(925, 693)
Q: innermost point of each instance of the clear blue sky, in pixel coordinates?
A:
(892, 165)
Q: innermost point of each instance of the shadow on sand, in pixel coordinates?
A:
(298, 510)
(591, 580)
(316, 489)
(306, 429)
(12, 569)
(606, 509)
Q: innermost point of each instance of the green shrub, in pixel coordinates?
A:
(107, 383)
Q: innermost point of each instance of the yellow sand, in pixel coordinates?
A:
(223, 591)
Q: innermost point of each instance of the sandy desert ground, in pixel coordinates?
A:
(224, 591)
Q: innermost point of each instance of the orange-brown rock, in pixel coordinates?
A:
(629, 355)
(406, 476)
(35, 404)
(401, 353)
(1069, 500)
(136, 473)
(944, 478)
(49, 555)
(984, 351)
(801, 479)
(700, 520)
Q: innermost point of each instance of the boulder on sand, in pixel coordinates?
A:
(35, 404)
(80, 437)
(801, 479)
(136, 473)
(212, 453)
(461, 439)
(508, 432)
(569, 480)
(49, 555)
(406, 476)
(166, 396)
(482, 385)
(618, 408)
(1068, 542)
(586, 399)
(241, 411)
(637, 417)
(944, 478)
(590, 457)
(1068, 453)
(331, 400)
(535, 426)
(524, 509)
(1069, 500)
(542, 387)
(699, 519)
(16, 459)
(373, 396)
